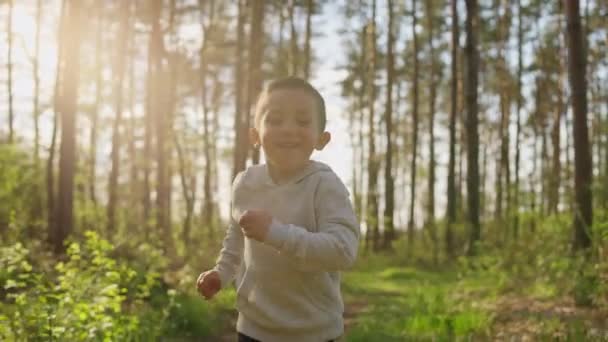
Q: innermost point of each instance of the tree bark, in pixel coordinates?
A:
(57, 94)
(577, 63)
(67, 155)
(451, 206)
(97, 103)
(256, 51)
(36, 104)
(410, 226)
(240, 129)
(310, 6)
(9, 70)
(118, 78)
(389, 191)
(430, 219)
(472, 58)
(293, 50)
(372, 173)
(516, 204)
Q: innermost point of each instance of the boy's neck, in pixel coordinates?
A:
(281, 176)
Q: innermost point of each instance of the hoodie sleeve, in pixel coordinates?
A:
(231, 255)
(334, 246)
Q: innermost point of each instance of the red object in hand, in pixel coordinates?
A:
(208, 284)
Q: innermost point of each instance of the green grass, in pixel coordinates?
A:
(410, 304)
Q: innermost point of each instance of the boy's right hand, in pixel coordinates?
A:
(209, 284)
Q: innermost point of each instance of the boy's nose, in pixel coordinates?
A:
(288, 127)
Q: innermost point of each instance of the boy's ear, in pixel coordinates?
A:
(254, 137)
(323, 140)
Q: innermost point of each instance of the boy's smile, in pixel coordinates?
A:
(288, 130)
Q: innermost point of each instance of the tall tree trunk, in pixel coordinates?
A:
(310, 7)
(363, 205)
(67, 155)
(9, 70)
(38, 206)
(577, 62)
(556, 132)
(150, 117)
(240, 130)
(372, 173)
(503, 178)
(518, 119)
(389, 182)
(293, 51)
(36, 104)
(97, 103)
(451, 214)
(57, 94)
(472, 57)
(135, 219)
(163, 115)
(256, 51)
(410, 226)
(118, 78)
(208, 198)
(188, 191)
(430, 219)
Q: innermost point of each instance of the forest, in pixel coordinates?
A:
(472, 136)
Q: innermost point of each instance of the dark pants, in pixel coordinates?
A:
(245, 338)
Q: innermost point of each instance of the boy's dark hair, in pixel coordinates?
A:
(292, 82)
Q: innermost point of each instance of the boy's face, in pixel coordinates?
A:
(287, 128)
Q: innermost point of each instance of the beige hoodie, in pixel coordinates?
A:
(290, 286)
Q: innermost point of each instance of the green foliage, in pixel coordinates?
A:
(19, 184)
(89, 296)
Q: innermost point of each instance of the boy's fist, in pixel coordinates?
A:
(208, 284)
(255, 224)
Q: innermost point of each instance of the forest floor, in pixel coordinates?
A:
(409, 304)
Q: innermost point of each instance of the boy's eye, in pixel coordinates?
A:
(273, 119)
(305, 122)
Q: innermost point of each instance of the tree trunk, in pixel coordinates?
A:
(451, 214)
(208, 199)
(135, 219)
(57, 94)
(410, 226)
(96, 105)
(577, 62)
(36, 104)
(256, 51)
(372, 173)
(240, 130)
(9, 70)
(555, 178)
(310, 6)
(389, 187)
(430, 219)
(188, 191)
(363, 213)
(38, 206)
(293, 51)
(118, 77)
(518, 123)
(69, 100)
(150, 117)
(472, 55)
(164, 110)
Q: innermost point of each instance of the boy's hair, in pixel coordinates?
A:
(292, 82)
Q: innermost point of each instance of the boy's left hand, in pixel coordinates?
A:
(255, 224)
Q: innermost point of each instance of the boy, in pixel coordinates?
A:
(293, 226)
